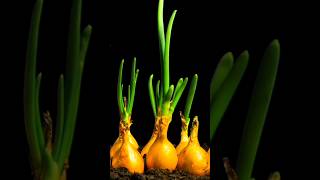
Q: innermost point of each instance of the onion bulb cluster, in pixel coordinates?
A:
(127, 155)
(124, 152)
(193, 158)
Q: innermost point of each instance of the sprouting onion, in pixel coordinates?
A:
(223, 85)
(163, 103)
(185, 119)
(193, 158)
(49, 157)
(258, 110)
(124, 151)
(124, 107)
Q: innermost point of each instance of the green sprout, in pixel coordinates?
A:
(223, 86)
(125, 105)
(167, 96)
(49, 157)
(190, 97)
(258, 110)
(185, 119)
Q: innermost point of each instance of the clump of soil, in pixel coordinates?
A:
(122, 173)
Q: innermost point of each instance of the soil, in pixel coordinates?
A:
(153, 174)
(122, 173)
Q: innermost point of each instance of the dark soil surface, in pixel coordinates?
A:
(122, 173)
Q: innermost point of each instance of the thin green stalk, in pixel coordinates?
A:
(30, 88)
(38, 125)
(224, 67)
(159, 98)
(72, 81)
(165, 105)
(151, 95)
(119, 89)
(85, 40)
(125, 108)
(161, 42)
(167, 101)
(44, 158)
(129, 96)
(73, 49)
(50, 169)
(190, 97)
(161, 29)
(226, 91)
(133, 83)
(60, 119)
(258, 109)
(75, 62)
(166, 73)
(178, 95)
(179, 83)
(169, 94)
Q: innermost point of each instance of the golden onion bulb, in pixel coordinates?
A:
(127, 156)
(193, 158)
(154, 136)
(162, 154)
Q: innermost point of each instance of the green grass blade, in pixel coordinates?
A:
(258, 109)
(60, 119)
(85, 39)
(72, 81)
(50, 169)
(169, 94)
(30, 85)
(178, 95)
(166, 72)
(161, 28)
(132, 81)
(129, 96)
(220, 74)
(151, 95)
(190, 97)
(73, 56)
(40, 135)
(166, 103)
(158, 93)
(119, 89)
(161, 43)
(133, 90)
(226, 92)
(179, 83)
(133, 71)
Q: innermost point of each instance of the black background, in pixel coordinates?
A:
(203, 31)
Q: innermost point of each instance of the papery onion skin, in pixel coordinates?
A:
(117, 144)
(154, 136)
(127, 156)
(184, 135)
(193, 158)
(162, 154)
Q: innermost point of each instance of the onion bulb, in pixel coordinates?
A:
(154, 136)
(162, 154)
(127, 155)
(193, 158)
(184, 135)
(117, 144)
